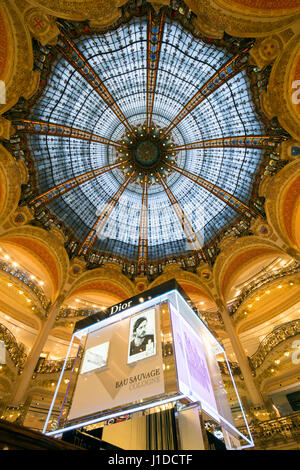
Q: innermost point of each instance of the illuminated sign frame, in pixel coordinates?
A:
(154, 297)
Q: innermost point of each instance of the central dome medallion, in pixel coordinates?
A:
(146, 154)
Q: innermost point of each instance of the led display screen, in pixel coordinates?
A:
(143, 354)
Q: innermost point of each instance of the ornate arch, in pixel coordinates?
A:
(283, 205)
(102, 12)
(244, 18)
(236, 256)
(282, 98)
(12, 174)
(46, 247)
(16, 63)
(108, 278)
(186, 279)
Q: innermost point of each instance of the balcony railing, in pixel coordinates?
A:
(213, 319)
(234, 367)
(52, 366)
(262, 281)
(276, 431)
(25, 279)
(277, 336)
(74, 312)
(15, 350)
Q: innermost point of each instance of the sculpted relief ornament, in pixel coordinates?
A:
(16, 67)
(101, 12)
(243, 18)
(42, 27)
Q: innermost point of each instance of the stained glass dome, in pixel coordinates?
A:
(145, 140)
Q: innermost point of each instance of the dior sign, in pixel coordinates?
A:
(120, 307)
(129, 303)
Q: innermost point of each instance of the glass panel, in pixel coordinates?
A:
(120, 59)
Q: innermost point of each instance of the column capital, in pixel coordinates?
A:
(220, 304)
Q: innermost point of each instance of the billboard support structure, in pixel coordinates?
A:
(143, 353)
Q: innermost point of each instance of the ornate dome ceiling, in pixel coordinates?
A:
(145, 140)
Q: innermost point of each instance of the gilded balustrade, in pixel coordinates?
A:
(52, 366)
(276, 430)
(277, 336)
(234, 367)
(213, 319)
(15, 273)
(262, 281)
(74, 312)
(15, 350)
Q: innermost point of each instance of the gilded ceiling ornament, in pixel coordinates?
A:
(42, 26)
(233, 18)
(20, 79)
(266, 50)
(102, 12)
(14, 175)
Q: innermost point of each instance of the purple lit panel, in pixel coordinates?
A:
(192, 369)
(182, 371)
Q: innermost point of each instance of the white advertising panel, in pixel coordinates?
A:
(192, 369)
(117, 370)
(95, 358)
(142, 341)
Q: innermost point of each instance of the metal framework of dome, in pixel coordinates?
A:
(145, 139)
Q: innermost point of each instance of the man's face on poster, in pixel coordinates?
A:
(140, 332)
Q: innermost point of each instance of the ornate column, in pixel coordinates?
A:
(35, 352)
(242, 359)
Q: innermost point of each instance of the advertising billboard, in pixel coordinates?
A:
(143, 353)
(142, 340)
(122, 365)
